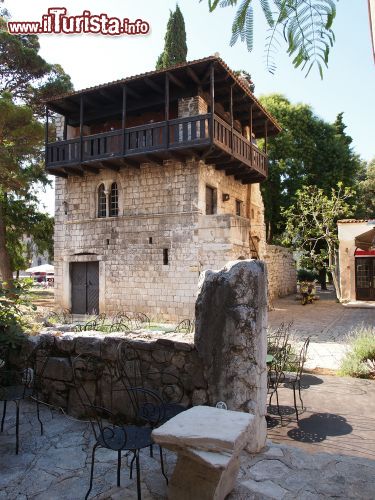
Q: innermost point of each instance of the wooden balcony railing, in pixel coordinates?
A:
(239, 147)
(174, 134)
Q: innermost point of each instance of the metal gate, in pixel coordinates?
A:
(84, 277)
(365, 278)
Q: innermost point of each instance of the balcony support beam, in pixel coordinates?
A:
(265, 136)
(46, 136)
(212, 101)
(124, 95)
(65, 133)
(251, 122)
(231, 118)
(81, 107)
(166, 98)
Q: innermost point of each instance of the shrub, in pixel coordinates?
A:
(306, 275)
(13, 303)
(360, 359)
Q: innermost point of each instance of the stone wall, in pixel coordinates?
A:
(171, 367)
(160, 208)
(281, 269)
(226, 360)
(231, 338)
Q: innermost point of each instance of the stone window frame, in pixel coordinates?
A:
(113, 200)
(101, 199)
(214, 207)
(108, 184)
(239, 207)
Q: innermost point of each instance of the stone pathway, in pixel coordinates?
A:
(339, 416)
(327, 322)
(56, 467)
(284, 472)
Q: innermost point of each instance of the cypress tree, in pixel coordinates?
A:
(175, 48)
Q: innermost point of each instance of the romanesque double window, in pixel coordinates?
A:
(108, 201)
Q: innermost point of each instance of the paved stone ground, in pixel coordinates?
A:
(327, 322)
(56, 467)
(339, 416)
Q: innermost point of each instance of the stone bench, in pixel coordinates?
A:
(208, 442)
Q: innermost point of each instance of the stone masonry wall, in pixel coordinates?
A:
(160, 208)
(282, 273)
(170, 367)
(226, 361)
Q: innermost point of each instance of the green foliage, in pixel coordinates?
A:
(26, 79)
(244, 75)
(360, 359)
(24, 73)
(308, 151)
(311, 225)
(306, 275)
(366, 193)
(22, 217)
(304, 25)
(175, 48)
(13, 302)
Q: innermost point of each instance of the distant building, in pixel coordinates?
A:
(357, 259)
(157, 179)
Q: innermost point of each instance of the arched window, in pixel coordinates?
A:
(113, 200)
(102, 201)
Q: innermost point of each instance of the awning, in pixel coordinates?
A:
(44, 268)
(366, 241)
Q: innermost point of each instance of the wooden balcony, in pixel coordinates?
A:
(182, 138)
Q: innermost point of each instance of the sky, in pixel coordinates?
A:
(348, 84)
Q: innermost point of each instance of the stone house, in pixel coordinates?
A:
(157, 179)
(357, 259)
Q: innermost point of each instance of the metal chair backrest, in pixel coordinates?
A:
(302, 357)
(148, 407)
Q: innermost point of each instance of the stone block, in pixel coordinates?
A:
(89, 345)
(58, 369)
(206, 428)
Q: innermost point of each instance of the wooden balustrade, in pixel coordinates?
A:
(160, 136)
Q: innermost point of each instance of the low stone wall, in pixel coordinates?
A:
(226, 360)
(281, 270)
(164, 363)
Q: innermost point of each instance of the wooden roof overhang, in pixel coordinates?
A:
(147, 91)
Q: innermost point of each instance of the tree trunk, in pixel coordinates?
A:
(323, 278)
(5, 266)
(333, 270)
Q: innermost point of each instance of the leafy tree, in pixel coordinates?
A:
(25, 79)
(175, 48)
(30, 221)
(20, 148)
(308, 151)
(366, 193)
(311, 226)
(24, 73)
(305, 26)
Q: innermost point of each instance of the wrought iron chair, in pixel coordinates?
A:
(293, 378)
(278, 340)
(185, 326)
(171, 392)
(275, 375)
(107, 405)
(18, 383)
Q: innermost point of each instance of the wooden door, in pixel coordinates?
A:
(84, 277)
(365, 278)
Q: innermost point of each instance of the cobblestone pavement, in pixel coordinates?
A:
(327, 322)
(339, 416)
(55, 466)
